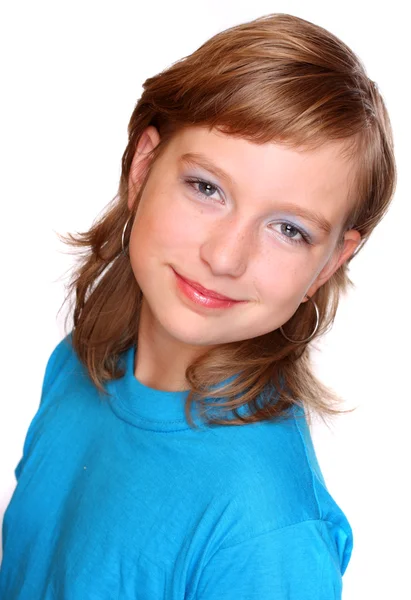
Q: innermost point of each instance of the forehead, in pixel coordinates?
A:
(320, 177)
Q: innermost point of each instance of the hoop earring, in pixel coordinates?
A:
(123, 235)
(317, 314)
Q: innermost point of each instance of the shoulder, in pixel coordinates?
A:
(61, 362)
(275, 479)
(304, 560)
(280, 526)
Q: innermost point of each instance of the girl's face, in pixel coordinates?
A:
(256, 223)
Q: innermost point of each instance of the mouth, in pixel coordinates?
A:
(202, 297)
(206, 292)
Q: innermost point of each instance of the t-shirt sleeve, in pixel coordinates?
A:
(54, 363)
(305, 561)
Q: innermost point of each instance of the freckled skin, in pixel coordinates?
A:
(230, 243)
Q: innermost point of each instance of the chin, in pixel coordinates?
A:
(189, 331)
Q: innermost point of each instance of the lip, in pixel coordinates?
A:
(197, 296)
(204, 291)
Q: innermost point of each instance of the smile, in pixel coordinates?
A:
(200, 295)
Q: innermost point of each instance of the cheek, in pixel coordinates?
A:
(281, 283)
(161, 228)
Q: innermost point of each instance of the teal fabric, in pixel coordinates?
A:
(118, 498)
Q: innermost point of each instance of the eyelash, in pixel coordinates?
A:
(192, 181)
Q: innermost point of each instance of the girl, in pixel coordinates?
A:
(171, 456)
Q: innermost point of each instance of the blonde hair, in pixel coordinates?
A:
(276, 78)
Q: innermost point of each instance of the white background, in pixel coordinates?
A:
(71, 74)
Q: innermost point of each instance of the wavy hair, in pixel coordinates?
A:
(276, 78)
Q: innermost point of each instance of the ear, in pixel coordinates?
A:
(147, 142)
(352, 238)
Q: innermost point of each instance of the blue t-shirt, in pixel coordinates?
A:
(118, 498)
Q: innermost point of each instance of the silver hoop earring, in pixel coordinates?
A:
(123, 235)
(317, 314)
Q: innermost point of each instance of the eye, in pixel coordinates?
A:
(293, 234)
(206, 190)
(203, 188)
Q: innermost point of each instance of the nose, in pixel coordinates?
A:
(227, 248)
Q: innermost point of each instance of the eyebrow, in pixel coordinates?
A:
(198, 159)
